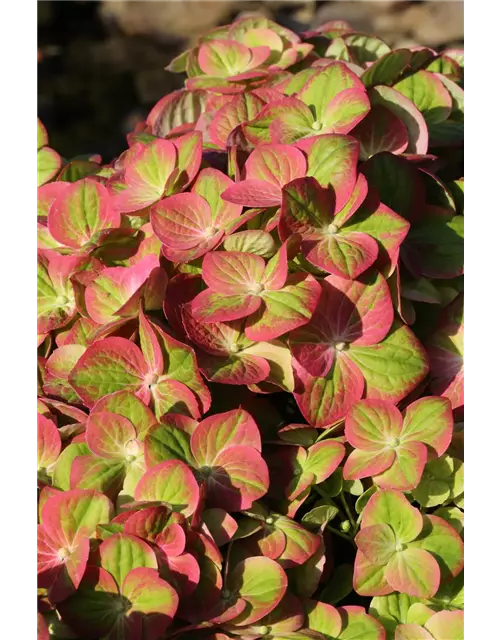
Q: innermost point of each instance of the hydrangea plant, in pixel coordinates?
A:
(250, 351)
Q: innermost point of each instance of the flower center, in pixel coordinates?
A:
(132, 449)
(63, 553)
(62, 300)
(333, 228)
(150, 380)
(393, 443)
(316, 126)
(263, 631)
(340, 346)
(234, 348)
(256, 288)
(269, 520)
(121, 605)
(399, 546)
(210, 232)
(205, 472)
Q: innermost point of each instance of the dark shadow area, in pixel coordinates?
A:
(90, 88)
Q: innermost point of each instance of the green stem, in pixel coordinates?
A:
(358, 522)
(348, 511)
(340, 534)
(323, 493)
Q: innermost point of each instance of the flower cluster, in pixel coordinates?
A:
(250, 341)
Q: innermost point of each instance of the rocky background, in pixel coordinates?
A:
(101, 64)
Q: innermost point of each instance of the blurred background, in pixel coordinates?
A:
(101, 64)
